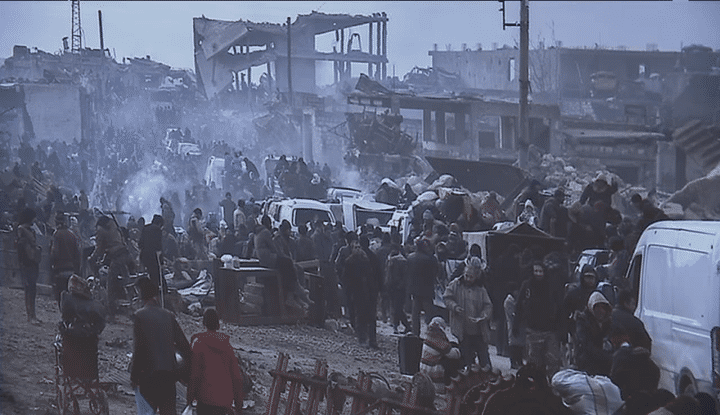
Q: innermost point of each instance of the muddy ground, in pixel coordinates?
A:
(27, 359)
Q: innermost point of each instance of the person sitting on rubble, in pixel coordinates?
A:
(440, 358)
(490, 210)
(388, 193)
(267, 252)
(528, 214)
(408, 195)
(649, 213)
(532, 192)
(600, 190)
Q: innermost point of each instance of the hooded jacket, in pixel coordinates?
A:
(591, 357)
(215, 376)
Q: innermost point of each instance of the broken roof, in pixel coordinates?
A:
(219, 35)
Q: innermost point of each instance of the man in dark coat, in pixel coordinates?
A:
(151, 250)
(539, 311)
(577, 296)
(593, 327)
(356, 272)
(554, 216)
(369, 291)
(343, 252)
(157, 336)
(600, 190)
(109, 243)
(228, 207)
(64, 255)
(422, 271)
(395, 285)
(323, 244)
(304, 246)
(623, 320)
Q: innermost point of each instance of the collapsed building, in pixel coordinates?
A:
(649, 116)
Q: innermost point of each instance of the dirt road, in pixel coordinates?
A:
(27, 357)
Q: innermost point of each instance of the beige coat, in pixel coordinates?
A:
(474, 302)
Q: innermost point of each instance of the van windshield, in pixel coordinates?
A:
(303, 216)
(362, 216)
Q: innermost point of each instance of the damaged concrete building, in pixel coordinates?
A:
(80, 85)
(226, 52)
(649, 116)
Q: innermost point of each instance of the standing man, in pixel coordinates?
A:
(151, 250)
(228, 211)
(470, 311)
(196, 232)
(65, 255)
(395, 285)
(157, 336)
(356, 270)
(29, 254)
(539, 310)
(594, 354)
(109, 243)
(323, 243)
(422, 271)
(239, 216)
(168, 215)
(369, 292)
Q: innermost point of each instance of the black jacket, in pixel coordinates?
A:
(150, 242)
(590, 335)
(157, 336)
(421, 274)
(633, 327)
(539, 306)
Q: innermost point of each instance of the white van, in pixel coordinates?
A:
(298, 211)
(357, 212)
(676, 271)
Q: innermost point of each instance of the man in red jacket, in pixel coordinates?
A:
(215, 377)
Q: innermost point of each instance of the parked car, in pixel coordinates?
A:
(591, 257)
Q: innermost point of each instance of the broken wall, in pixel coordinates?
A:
(54, 111)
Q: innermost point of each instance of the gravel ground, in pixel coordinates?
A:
(27, 359)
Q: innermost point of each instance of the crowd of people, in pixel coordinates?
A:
(523, 301)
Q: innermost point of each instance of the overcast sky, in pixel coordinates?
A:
(163, 29)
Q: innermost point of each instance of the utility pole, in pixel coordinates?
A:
(289, 59)
(523, 139)
(524, 130)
